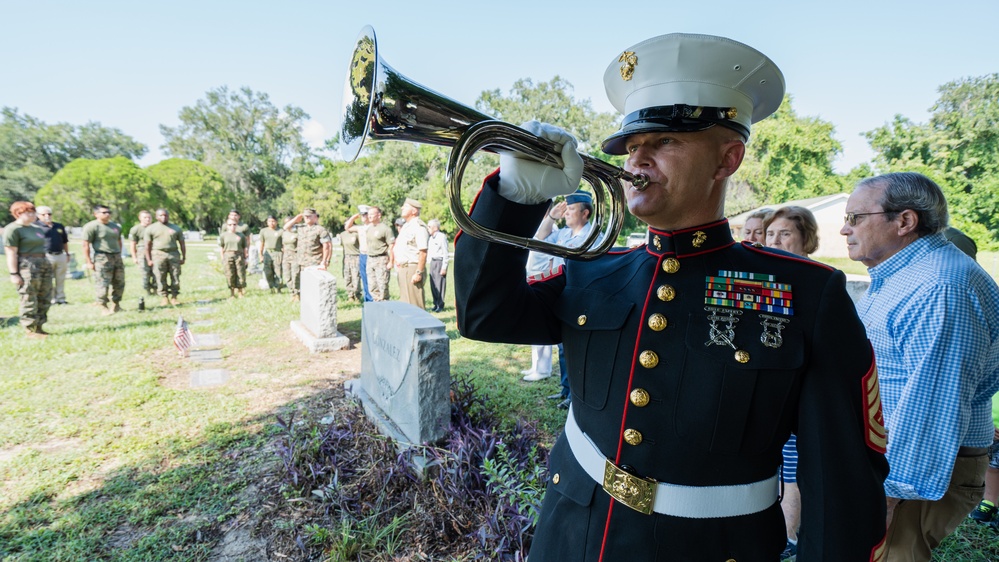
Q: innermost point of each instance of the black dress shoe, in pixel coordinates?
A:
(564, 405)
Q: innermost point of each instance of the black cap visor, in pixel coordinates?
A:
(670, 118)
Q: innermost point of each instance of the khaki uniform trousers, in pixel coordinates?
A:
(408, 291)
(918, 526)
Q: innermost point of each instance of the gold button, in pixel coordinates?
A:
(657, 322)
(648, 359)
(581, 320)
(742, 356)
(671, 265)
(632, 436)
(555, 478)
(639, 397)
(666, 293)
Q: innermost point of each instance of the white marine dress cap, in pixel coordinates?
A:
(684, 82)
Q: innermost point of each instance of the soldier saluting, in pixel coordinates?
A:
(691, 358)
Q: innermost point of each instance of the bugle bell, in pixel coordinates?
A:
(381, 104)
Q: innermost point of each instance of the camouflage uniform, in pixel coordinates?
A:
(166, 239)
(351, 264)
(234, 249)
(148, 277)
(289, 243)
(244, 231)
(272, 257)
(310, 251)
(35, 271)
(380, 237)
(109, 271)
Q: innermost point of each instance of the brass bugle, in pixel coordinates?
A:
(380, 104)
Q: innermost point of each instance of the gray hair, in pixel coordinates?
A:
(42, 209)
(915, 192)
(434, 222)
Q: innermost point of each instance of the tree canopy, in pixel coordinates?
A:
(255, 146)
(194, 194)
(31, 151)
(116, 182)
(958, 148)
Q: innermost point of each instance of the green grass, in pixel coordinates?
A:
(107, 453)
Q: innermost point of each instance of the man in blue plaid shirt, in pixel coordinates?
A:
(932, 315)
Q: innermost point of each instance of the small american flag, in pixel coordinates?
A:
(182, 338)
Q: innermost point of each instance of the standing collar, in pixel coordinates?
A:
(690, 241)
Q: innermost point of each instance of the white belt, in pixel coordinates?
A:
(647, 495)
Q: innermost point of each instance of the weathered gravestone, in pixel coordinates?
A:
(193, 236)
(316, 326)
(405, 379)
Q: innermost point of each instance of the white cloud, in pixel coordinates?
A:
(314, 133)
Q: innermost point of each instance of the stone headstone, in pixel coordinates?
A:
(209, 377)
(316, 326)
(193, 236)
(405, 379)
(205, 355)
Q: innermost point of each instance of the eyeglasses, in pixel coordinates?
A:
(103, 212)
(851, 218)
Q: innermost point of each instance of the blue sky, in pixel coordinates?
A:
(134, 64)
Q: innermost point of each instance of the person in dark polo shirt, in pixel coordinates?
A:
(57, 252)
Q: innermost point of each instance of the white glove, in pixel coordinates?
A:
(527, 181)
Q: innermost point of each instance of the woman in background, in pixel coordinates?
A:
(792, 229)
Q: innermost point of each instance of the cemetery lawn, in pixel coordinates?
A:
(107, 452)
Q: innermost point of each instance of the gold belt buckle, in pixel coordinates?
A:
(636, 492)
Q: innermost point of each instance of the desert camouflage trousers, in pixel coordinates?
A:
(167, 268)
(109, 277)
(35, 291)
(352, 277)
(378, 277)
(272, 268)
(235, 270)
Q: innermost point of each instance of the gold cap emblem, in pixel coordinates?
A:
(699, 238)
(666, 293)
(671, 265)
(648, 359)
(630, 60)
(657, 322)
(639, 397)
(632, 436)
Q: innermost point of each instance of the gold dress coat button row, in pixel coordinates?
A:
(657, 322)
(671, 265)
(648, 359)
(639, 397)
(581, 320)
(632, 436)
(666, 293)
